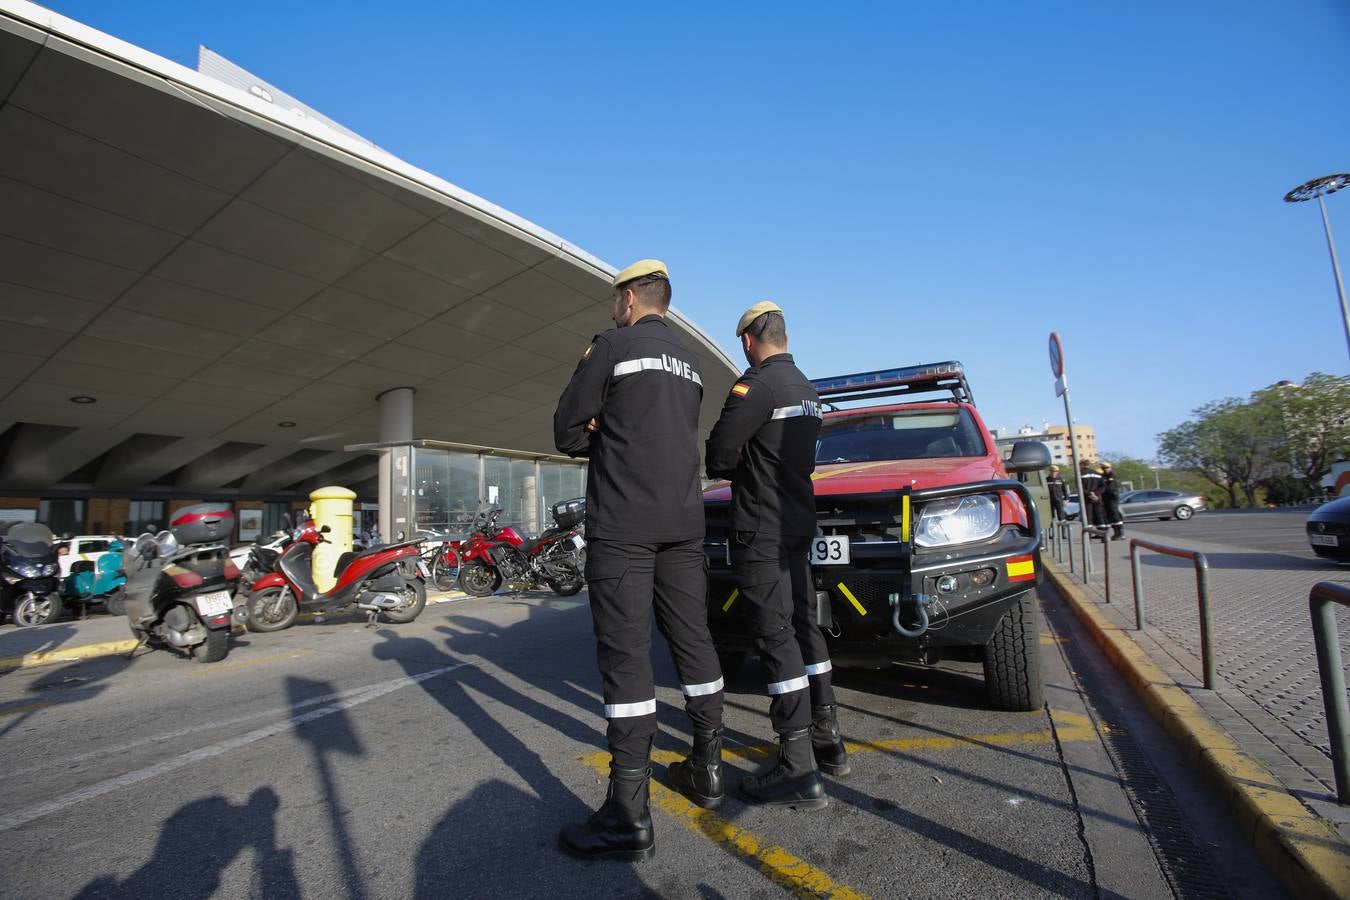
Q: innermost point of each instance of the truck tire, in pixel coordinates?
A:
(1012, 658)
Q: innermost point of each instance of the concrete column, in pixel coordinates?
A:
(396, 424)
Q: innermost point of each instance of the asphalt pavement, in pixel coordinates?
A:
(440, 758)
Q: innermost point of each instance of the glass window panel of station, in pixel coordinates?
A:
(446, 489)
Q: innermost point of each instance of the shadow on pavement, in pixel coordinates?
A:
(330, 736)
(476, 847)
(72, 683)
(1240, 561)
(196, 845)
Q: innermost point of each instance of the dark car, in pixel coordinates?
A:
(1160, 505)
(1329, 530)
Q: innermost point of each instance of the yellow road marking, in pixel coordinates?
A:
(1053, 639)
(732, 599)
(777, 864)
(216, 668)
(67, 654)
(852, 599)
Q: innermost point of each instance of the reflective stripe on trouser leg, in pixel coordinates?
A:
(811, 640)
(760, 566)
(620, 579)
(680, 588)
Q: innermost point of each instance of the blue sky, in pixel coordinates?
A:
(912, 183)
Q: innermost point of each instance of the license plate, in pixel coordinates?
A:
(1324, 540)
(215, 603)
(423, 570)
(579, 542)
(830, 551)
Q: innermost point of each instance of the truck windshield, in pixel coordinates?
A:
(920, 434)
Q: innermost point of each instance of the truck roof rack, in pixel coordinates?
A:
(942, 376)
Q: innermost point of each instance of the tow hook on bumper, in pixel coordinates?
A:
(918, 603)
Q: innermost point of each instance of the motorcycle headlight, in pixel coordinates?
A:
(49, 569)
(959, 520)
(26, 569)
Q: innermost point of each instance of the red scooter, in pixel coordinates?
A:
(388, 581)
(493, 555)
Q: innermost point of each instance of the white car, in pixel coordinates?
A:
(87, 547)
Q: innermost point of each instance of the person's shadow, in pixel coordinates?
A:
(198, 842)
(502, 819)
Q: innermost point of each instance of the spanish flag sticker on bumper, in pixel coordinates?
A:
(1021, 568)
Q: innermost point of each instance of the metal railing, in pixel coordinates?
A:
(1320, 600)
(1201, 590)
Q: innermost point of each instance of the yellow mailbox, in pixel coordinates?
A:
(331, 506)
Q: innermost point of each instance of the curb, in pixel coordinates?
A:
(1306, 853)
(68, 654)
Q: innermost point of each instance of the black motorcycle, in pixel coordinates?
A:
(181, 584)
(28, 568)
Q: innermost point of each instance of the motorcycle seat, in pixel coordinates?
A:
(347, 558)
(82, 565)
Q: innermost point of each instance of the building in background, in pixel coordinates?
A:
(1056, 437)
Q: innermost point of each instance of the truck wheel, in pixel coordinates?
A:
(1012, 659)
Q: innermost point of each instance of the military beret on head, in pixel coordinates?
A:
(754, 313)
(641, 268)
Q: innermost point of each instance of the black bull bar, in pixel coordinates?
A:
(890, 567)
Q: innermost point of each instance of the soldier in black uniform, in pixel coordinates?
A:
(1111, 502)
(1090, 506)
(1057, 494)
(632, 407)
(765, 442)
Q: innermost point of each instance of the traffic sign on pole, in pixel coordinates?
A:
(1056, 355)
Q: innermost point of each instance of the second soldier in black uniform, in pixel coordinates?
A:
(765, 442)
(632, 407)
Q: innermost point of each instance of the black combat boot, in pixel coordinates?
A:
(700, 776)
(826, 743)
(621, 829)
(792, 781)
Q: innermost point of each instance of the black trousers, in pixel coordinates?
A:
(774, 577)
(627, 581)
(1111, 506)
(1094, 514)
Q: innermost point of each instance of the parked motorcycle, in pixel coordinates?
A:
(28, 567)
(493, 555)
(388, 581)
(260, 557)
(181, 582)
(98, 581)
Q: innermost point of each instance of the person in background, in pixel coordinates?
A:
(1091, 509)
(1057, 494)
(1111, 502)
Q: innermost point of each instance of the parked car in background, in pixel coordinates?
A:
(86, 547)
(1071, 506)
(1329, 530)
(1155, 504)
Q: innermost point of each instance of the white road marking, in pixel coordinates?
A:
(24, 816)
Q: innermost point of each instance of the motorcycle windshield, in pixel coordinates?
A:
(30, 540)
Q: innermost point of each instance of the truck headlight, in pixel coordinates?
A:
(959, 520)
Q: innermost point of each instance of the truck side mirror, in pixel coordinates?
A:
(1028, 456)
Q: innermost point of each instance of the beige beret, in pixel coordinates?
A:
(640, 268)
(754, 313)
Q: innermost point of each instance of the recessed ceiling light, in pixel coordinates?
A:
(82, 399)
(286, 424)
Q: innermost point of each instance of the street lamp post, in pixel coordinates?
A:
(1319, 187)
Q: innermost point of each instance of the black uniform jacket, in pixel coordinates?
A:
(765, 442)
(645, 389)
(1092, 484)
(1110, 487)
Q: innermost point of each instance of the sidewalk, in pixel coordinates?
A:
(1268, 695)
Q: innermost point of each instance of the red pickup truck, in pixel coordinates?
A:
(925, 548)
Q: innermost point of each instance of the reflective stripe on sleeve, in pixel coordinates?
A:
(630, 366)
(792, 684)
(702, 690)
(629, 710)
(806, 408)
(819, 668)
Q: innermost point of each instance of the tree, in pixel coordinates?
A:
(1228, 443)
(1309, 425)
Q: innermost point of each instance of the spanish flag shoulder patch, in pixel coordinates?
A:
(740, 389)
